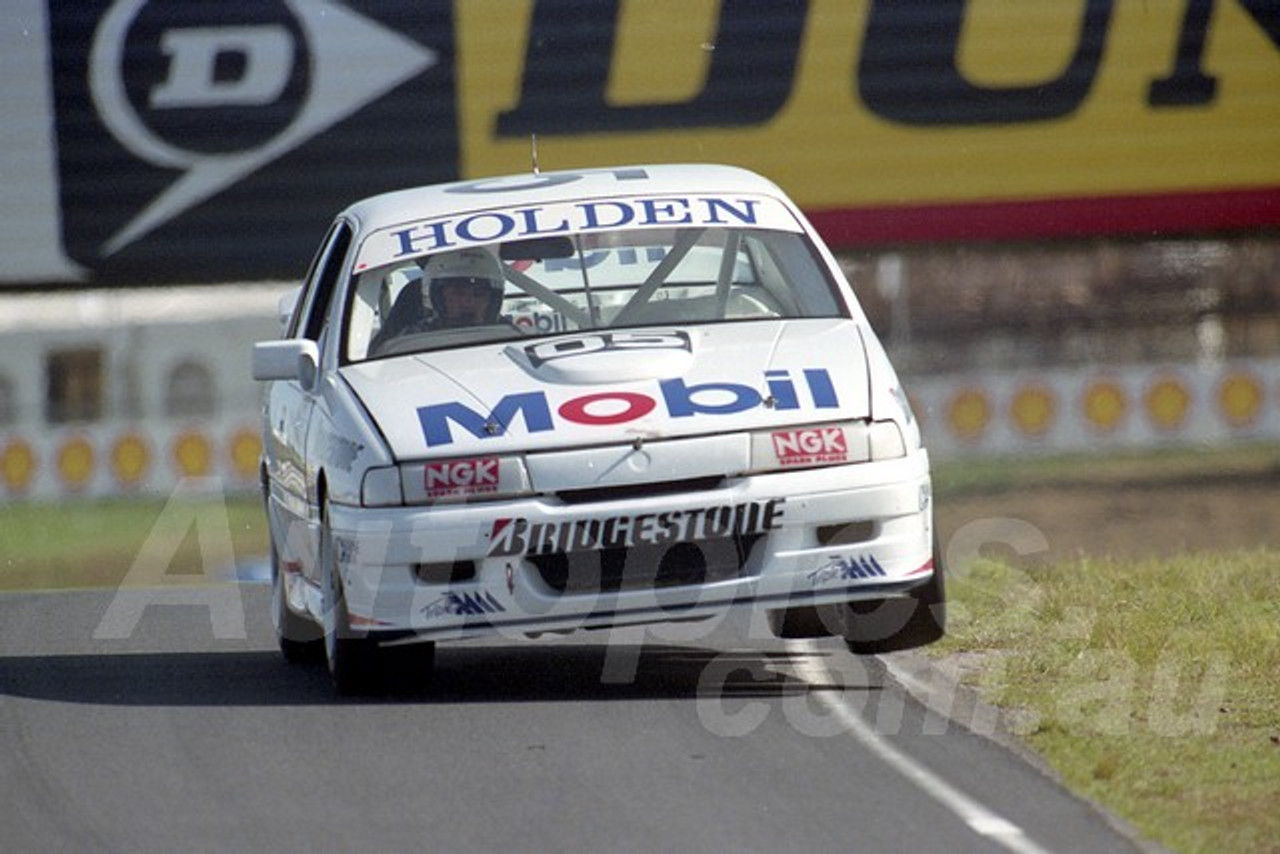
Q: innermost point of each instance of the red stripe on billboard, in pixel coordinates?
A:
(1228, 210)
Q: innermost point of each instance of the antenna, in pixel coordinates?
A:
(534, 140)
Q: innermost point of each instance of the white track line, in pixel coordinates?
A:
(981, 820)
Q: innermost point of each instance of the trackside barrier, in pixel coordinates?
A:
(1098, 408)
(968, 415)
(127, 458)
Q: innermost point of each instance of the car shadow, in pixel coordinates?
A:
(488, 674)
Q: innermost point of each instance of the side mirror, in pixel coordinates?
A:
(296, 359)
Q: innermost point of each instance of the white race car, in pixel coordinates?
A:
(576, 400)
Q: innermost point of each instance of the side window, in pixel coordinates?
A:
(303, 302)
(322, 281)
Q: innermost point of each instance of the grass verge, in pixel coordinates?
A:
(1150, 685)
(961, 478)
(113, 542)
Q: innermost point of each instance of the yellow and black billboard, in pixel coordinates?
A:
(160, 140)
(895, 120)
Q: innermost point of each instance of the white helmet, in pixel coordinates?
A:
(472, 265)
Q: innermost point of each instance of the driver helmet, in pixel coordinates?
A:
(473, 266)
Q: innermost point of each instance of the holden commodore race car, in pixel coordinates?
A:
(577, 400)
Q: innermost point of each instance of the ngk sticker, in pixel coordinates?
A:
(461, 477)
(811, 446)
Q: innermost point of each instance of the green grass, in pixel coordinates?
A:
(1152, 687)
(968, 477)
(103, 543)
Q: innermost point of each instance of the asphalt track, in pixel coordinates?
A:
(131, 725)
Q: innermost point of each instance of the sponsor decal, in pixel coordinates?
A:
(346, 550)
(927, 566)
(648, 256)
(463, 605)
(610, 408)
(846, 569)
(550, 351)
(540, 322)
(811, 446)
(519, 536)
(585, 217)
(461, 477)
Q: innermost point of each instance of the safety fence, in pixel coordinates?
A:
(971, 415)
(126, 458)
(1098, 408)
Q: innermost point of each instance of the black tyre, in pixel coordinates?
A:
(888, 625)
(407, 669)
(301, 639)
(803, 622)
(351, 655)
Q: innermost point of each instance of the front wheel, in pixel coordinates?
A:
(357, 663)
(408, 669)
(889, 625)
(874, 626)
(301, 640)
(351, 655)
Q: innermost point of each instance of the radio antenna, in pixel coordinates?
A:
(533, 138)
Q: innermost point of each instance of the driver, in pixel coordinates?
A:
(459, 288)
(463, 288)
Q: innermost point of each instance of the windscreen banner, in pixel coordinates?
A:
(168, 141)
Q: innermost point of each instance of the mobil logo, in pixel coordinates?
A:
(806, 388)
(538, 321)
(461, 476)
(810, 444)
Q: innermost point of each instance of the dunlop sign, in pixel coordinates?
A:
(169, 141)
